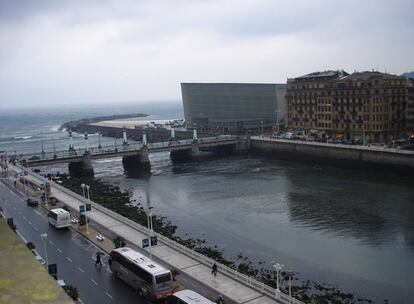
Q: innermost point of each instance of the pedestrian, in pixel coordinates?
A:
(214, 269)
(98, 259)
(220, 300)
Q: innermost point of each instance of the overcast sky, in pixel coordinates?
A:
(124, 51)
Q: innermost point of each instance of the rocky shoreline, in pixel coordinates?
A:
(111, 197)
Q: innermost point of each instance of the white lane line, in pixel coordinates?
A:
(94, 282)
(51, 243)
(109, 295)
(81, 270)
(69, 259)
(59, 250)
(35, 228)
(30, 223)
(24, 217)
(19, 212)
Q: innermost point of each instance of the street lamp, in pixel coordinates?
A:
(150, 228)
(261, 122)
(83, 186)
(277, 267)
(44, 238)
(290, 273)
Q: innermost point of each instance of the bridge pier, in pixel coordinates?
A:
(82, 167)
(137, 164)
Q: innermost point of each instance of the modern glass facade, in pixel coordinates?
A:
(232, 105)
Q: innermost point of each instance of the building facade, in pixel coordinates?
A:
(232, 107)
(410, 108)
(364, 106)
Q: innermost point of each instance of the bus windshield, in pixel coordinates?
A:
(162, 278)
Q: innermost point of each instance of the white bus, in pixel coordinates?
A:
(187, 297)
(59, 218)
(150, 279)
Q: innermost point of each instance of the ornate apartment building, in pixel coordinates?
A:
(362, 105)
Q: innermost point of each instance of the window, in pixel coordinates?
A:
(163, 278)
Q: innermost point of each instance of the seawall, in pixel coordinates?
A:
(358, 156)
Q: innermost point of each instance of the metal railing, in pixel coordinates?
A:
(112, 149)
(335, 145)
(230, 272)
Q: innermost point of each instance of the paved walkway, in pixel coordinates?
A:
(221, 283)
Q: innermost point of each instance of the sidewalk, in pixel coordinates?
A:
(222, 283)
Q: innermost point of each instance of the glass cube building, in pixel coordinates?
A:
(233, 107)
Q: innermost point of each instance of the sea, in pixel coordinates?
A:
(350, 228)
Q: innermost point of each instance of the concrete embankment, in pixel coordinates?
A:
(341, 155)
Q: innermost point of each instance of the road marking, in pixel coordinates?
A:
(109, 295)
(30, 223)
(14, 208)
(81, 270)
(36, 228)
(51, 243)
(19, 212)
(69, 259)
(94, 282)
(24, 217)
(59, 250)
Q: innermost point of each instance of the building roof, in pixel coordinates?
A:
(366, 75)
(324, 74)
(25, 280)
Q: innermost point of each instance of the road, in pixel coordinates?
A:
(74, 255)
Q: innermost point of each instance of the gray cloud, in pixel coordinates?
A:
(107, 51)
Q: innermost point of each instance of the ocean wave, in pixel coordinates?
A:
(22, 137)
(15, 138)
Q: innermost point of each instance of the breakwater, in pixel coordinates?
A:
(153, 134)
(358, 156)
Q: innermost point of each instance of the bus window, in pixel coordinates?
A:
(159, 279)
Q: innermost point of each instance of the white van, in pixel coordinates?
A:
(187, 297)
(59, 218)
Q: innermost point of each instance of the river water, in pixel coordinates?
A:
(347, 227)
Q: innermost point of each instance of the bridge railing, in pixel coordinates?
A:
(106, 150)
(230, 272)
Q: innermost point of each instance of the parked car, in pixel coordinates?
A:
(289, 135)
(31, 202)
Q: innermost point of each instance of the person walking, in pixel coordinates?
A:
(214, 269)
(98, 259)
(220, 300)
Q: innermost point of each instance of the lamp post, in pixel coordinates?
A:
(150, 229)
(277, 267)
(290, 274)
(83, 186)
(261, 123)
(44, 238)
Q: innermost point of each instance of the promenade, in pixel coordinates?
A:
(233, 285)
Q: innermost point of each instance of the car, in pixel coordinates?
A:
(31, 202)
(61, 282)
(289, 135)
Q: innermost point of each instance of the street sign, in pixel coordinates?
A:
(154, 241)
(52, 268)
(145, 243)
(82, 208)
(88, 207)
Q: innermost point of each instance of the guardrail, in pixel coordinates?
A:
(230, 272)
